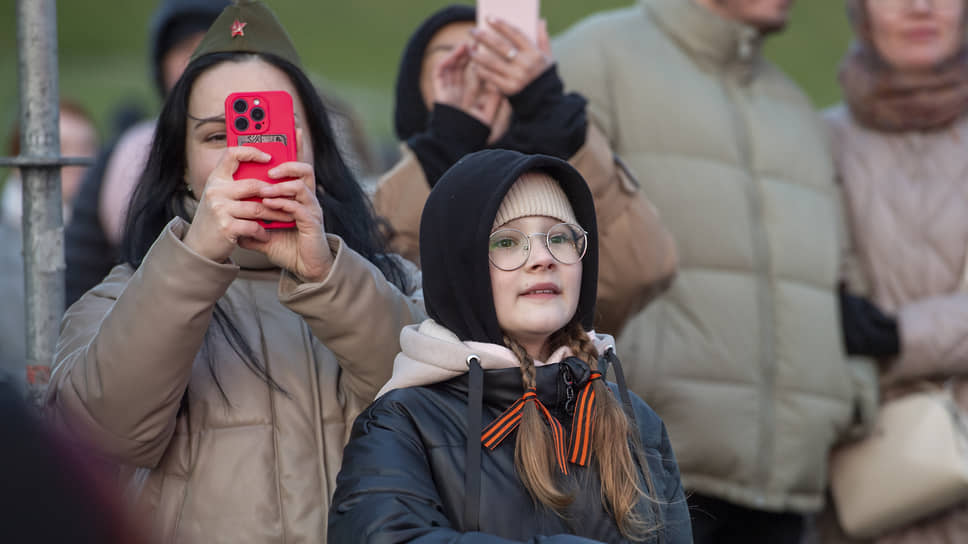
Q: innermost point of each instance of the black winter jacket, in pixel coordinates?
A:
(403, 471)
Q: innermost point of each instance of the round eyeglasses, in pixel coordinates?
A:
(509, 249)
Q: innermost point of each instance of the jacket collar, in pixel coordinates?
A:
(433, 354)
(707, 36)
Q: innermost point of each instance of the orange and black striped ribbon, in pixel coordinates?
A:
(581, 425)
(505, 424)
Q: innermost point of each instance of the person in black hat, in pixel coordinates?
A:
(509, 246)
(460, 89)
(223, 362)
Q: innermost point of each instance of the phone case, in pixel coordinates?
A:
(523, 14)
(264, 120)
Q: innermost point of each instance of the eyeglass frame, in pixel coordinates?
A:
(527, 237)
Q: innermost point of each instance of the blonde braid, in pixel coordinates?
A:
(617, 470)
(534, 448)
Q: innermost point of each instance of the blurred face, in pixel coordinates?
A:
(541, 297)
(444, 41)
(77, 139)
(766, 15)
(205, 126)
(175, 60)
(916, 34)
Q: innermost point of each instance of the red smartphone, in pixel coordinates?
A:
(264, 120)
(523, 14)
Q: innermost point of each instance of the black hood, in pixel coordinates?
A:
(455, 227)
(175, 20)
(410, 112)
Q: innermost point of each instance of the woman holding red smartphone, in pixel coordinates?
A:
(462, 88)
(222, 363)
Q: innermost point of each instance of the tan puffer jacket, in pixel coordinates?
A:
(258, 465)
(743, 356)
(908, 201)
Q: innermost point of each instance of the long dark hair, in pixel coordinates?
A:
(161, 193)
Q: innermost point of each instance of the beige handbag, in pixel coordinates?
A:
(914, 464)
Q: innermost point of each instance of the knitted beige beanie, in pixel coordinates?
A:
(534, 193)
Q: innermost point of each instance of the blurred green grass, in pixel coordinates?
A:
(353, 46)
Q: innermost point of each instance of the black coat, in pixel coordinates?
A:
(402, 478)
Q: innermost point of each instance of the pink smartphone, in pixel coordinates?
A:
(523, 14)
(264, 120)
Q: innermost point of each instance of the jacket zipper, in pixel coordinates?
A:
(764, 294)
(569, 381)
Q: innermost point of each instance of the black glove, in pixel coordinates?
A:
(867, 330)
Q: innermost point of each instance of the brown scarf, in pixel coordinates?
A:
(883, 98)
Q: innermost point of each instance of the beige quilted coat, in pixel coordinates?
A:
(907, 196)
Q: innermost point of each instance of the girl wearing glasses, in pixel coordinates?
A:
(498, 421)
(899, 142)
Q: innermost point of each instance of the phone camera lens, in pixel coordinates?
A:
(258, 114)
(240, 106)
(241, 124)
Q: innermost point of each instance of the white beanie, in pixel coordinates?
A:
(534, 193)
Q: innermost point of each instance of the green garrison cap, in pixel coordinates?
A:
(248, 26)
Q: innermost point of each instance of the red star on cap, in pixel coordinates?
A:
(237, 28)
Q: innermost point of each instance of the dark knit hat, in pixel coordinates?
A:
(410, 112)
(455, 226)
(248, 26)
(172, 22)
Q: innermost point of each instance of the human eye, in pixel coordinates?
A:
(503, 242)
(215, 137)
(558, 238)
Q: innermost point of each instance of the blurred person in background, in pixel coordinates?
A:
(461, 89)
(52, 490)
(743, 356)
(222, 364)
(78, 138)
(93, 236)
(900, 146)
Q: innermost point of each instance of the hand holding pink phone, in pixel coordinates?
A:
(263, 120)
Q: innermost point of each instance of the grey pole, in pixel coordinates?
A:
(43, 222)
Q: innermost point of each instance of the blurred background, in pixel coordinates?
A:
(351, 47)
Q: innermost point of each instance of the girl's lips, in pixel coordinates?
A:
(541, 290)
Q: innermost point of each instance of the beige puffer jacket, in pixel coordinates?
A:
(743, 356)
(907, 198)
(259, 465)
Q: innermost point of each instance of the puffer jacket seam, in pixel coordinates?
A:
(766, 295)
(317, 414)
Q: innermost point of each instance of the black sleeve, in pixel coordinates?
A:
(867, 330)
(450, 135)
(546, 120)
(88, 254)
(385, 492)
(664, 472)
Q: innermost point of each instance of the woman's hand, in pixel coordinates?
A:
(224, 216)
(304, 250)
(505, 58)
(458, 86)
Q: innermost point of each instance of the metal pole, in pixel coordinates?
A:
(43, 222)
